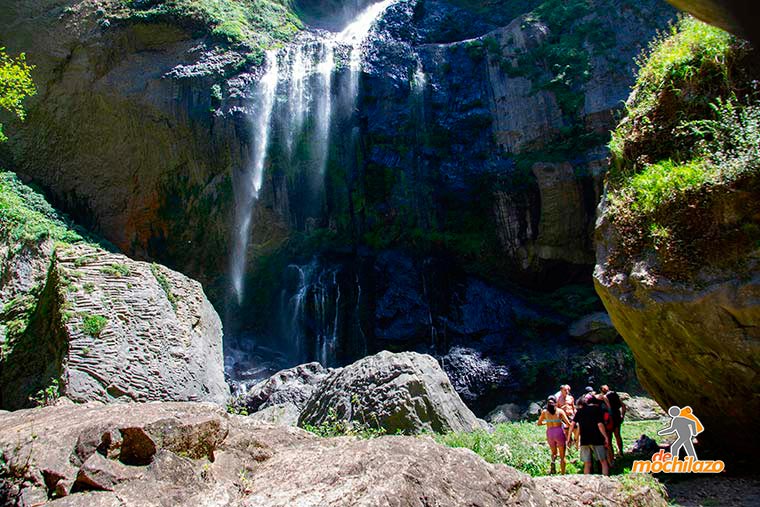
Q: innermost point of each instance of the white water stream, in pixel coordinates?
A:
(303, 74)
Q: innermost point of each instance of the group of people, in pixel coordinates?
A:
(588, 424)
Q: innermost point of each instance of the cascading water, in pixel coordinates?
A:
(249, 182)
(308, 75)
(296, 106)
(312, 313)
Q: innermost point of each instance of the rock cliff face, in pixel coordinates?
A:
(476, 153)
(122, 134)
(677, 260)
(111, 86)
(195, 454)
(97, 325)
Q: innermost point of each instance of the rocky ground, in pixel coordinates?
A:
(714, 491)
(161, 454)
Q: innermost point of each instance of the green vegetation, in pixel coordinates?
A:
(258, 24)
(691, 51)
(116, 269)
(562, 63)
(48, 396)
(661, 180)
(336, 427)
(26, 217)
(693, 124)
(93, 325)
(523, 445)
(15, 85)
(163, 282)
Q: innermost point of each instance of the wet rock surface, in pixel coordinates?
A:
(250, 464)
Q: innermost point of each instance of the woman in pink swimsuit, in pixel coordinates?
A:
(553, 418)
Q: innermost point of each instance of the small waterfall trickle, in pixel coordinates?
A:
(325, 70)
(312, 314)
(249, 184)
(301, 64)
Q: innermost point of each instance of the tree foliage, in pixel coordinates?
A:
(15, 85)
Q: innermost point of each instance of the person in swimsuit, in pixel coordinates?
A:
(553, 417)
(566, 403)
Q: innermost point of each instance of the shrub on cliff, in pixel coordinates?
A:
(259, 24)
(15, 85)
(692, 129)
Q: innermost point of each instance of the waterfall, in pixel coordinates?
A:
(306, 93)
(312, 313)
(247, 189)
(354, 35)
(301, 67)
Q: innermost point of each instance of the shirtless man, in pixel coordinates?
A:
(566, 402)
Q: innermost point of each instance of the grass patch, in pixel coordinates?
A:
(26, 217)
(681, 75)
(116, 269)
(93, 325)
(258, 24)
(163, 282)
(690, 50)
(661, 182)
(337, 427)
(523, 446)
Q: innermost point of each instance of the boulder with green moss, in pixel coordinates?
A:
(89, 324)
(678, 233)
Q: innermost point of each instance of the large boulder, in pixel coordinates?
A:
(108, 328)
(290, 386)
(405, 392)
(505, 413)
(736, 16)
(679, 275)
(188, 454)
(694, 345)
(594, 328)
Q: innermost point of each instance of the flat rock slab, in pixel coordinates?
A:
(48, 460)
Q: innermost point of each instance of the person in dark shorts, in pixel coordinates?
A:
(594, 440)
(617, 411)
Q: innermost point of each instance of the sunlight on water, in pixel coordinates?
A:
(252, 178)
(305, 73)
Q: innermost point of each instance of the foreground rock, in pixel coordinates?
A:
(189, 454)
(405, 392)
(579, 491)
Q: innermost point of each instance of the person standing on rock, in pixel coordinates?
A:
(594, 439)
(617, 411)
(554, 417)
